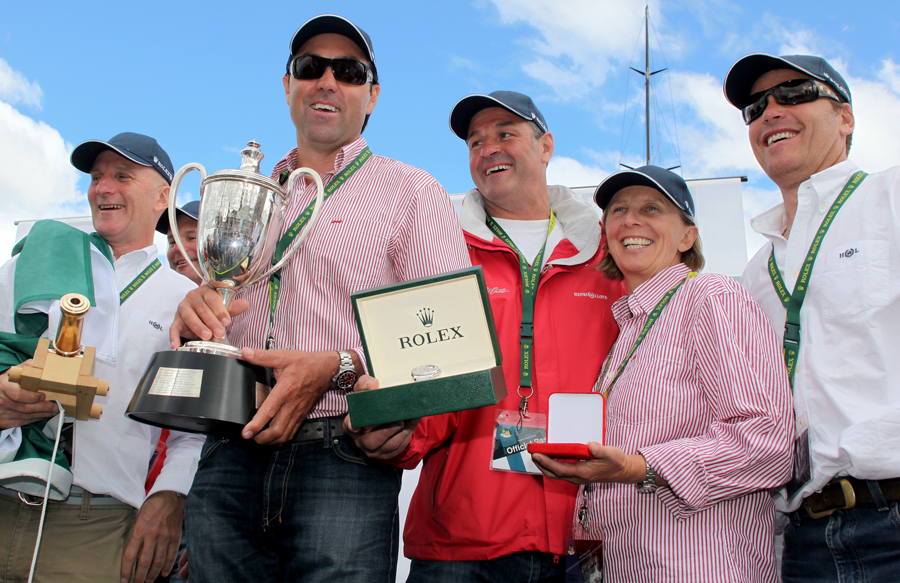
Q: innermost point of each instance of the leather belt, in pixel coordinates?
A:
(76, 497)
(847, 492)
(314, 429)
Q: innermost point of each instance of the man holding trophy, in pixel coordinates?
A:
(105, 527)
(294, 499)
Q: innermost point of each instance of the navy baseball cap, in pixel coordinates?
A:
(521, 105)
(331, 23)
(138, 148)
(748, 69)
(668, 183)
(191, 209)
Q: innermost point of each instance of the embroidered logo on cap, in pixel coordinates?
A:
(162, 167)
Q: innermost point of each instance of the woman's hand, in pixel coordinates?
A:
(609, 465)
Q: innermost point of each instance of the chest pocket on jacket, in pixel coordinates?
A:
(853, 278)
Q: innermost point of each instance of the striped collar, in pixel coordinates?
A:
(648, 294)
(344, 156)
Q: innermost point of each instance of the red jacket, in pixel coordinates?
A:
(462, 510)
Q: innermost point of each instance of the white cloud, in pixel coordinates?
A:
(563, 170)
(15, 88)
(801, 42)
(36, 179)
(565, 82)
(890, 72)
(876, 109)
(712, 135)
(581, 40)
(457, 62)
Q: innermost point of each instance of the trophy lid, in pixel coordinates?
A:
(248, 172)
(251, 156)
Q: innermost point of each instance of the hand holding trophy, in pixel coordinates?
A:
(204, 387)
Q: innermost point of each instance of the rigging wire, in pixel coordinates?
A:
(675, 145)
(661, 128)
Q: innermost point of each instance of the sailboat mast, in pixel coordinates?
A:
(647, 78)
(647, 73)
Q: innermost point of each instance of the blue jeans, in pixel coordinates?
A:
(524, 567)
(861, 545)
(314, 512)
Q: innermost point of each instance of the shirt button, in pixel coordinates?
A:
(794, 273)
(801, 422)
(822, 206)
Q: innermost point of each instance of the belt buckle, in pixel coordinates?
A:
(849, 501)
(30, 500)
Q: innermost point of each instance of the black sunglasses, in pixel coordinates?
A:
(791, 92)
(345, 70)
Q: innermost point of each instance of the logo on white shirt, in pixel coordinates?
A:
(849, 253)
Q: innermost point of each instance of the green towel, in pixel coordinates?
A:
(54, 260)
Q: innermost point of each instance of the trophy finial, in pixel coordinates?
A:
(251, 157)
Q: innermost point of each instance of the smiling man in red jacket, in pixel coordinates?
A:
(478, 514)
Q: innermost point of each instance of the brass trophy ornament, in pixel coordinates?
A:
(204, 386)
(63, 369)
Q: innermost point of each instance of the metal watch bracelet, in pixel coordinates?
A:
(648, 486)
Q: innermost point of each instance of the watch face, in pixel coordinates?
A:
(345, 380)
(425, 372)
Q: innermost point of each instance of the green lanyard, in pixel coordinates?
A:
(138, 281)
(794, 301)
(530, 275)
(275, 278)
(651, 320)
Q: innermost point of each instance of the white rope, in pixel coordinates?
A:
(37, 544)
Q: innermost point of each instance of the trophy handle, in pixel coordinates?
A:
(173, 219)
(320, 197)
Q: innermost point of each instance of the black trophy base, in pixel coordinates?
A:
(199, 393)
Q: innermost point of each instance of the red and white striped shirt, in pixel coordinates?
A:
(705, 399)
(388, 222)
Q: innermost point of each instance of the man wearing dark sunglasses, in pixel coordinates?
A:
(841, 347)
(295, 500)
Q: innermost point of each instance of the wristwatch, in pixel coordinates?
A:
(346, 374)
(648, 486)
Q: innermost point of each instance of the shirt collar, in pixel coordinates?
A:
(344, 156)
(580, 224)
(647, 295)
(826, 185)
(137, 258)
(771, 223)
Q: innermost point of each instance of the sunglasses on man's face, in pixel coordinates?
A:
(345, 70)
(791, 92)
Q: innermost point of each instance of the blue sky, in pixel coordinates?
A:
(205, 77)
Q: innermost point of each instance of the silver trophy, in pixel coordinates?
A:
(240, 220)
(204, 387)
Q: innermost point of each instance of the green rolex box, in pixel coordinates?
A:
(414, 329)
